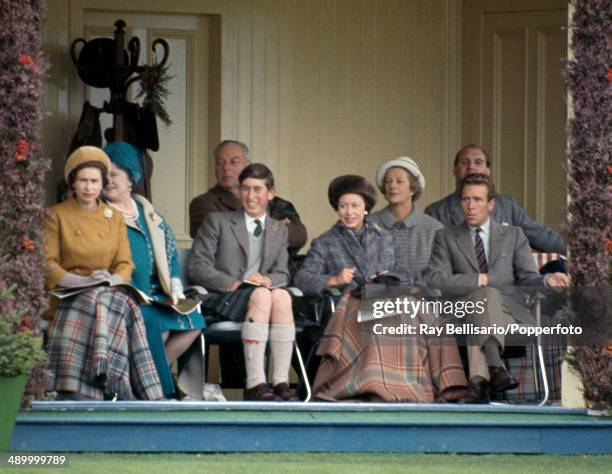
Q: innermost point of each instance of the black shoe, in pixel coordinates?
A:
(501, 380)
(261, 393)
(477, 392)
(284, 391)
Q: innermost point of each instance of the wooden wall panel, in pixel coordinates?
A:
(551, 119)
(513, 100)
(361, 83)
(317, 88)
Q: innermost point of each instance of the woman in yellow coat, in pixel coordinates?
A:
(97, 340)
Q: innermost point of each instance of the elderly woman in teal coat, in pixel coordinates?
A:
(170, 334)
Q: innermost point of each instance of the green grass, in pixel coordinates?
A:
(328, 463)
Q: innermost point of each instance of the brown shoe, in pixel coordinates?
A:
(284, 392)
(501, 380)
(476, 393)
(260, 393)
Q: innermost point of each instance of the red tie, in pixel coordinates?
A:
(481, 256)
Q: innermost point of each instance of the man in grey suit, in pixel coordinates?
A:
(473, 159)
(483, 261)
(242, 257)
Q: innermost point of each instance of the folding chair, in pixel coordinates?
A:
(518, 359)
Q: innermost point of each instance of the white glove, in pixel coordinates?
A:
(116, 279)
(176, 288)
(100, 275)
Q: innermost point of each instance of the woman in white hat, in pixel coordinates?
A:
(402, 183)
(97, 341)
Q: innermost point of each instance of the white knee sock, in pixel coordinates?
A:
(254, 339)
(282, 337)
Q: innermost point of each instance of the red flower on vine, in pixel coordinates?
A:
(23, 147)
(26, 59)
(609, 169)
(27, 244)
(24, 323)
(608, 243)
(610, 74)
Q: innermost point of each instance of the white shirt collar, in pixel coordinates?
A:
(484, 227)
(250, 222)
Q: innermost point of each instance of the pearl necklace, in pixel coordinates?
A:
(128, 214)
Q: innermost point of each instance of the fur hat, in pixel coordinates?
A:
(85, 154)
(127, 157)
(402, 162)
(353, 184)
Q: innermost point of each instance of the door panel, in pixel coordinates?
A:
(513, 98)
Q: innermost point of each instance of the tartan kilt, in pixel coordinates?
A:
(231, 305)
(98, 347)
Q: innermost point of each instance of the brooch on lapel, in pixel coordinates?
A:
(153, 216)
(108, 213)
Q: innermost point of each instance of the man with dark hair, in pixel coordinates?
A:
(473, 159)
(231, 157)
(482, 261)
(248, 245)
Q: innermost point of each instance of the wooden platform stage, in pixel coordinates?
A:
(311, 427)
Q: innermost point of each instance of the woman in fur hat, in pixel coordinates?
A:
(353, 250)
(357, 363)
(97, 341)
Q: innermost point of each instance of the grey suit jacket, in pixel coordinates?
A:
(453, 266)
(219, 254)
(506, 211)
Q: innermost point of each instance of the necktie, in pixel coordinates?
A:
(258, 228)
(481, 256)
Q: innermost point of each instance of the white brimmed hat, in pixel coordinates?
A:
(402, 162)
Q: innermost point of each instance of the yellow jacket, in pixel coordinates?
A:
(81, 241)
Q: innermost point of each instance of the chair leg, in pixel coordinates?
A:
(542, 372)
(304, 373)
(541, 352)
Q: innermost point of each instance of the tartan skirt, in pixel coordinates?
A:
(231, 305)
(359, 365)
(98, 347)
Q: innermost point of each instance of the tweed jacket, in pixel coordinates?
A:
(81, 241)
(412, 239)
(219, 254)
(218, 199)
(453, 266)
(337, 249)
(506, 211)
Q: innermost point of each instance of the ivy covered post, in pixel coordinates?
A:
(22, 174)
(589, 231)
